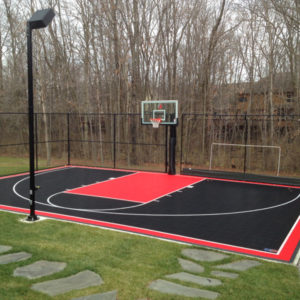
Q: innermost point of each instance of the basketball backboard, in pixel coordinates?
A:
(165, 110)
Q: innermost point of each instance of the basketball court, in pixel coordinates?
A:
(256, 219)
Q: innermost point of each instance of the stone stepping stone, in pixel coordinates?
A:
(240, 265)
(39, 269)
(203, 255)
(195, 279)
(78, 281)
(171, 288)
(4, 248)
(14, 257)
(190, 266)
(104, 296)
(224, 274)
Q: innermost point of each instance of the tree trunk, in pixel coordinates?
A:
(213, 40)
(1, 65)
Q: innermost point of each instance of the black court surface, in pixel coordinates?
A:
(256, 219)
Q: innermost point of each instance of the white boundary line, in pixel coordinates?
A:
(297, 259)
(37, 174)
(289, 234)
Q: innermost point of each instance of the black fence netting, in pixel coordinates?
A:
(248, 144)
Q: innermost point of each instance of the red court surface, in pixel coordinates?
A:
(137, 187)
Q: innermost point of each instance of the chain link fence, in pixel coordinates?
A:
(102, 140)
(241, 144)
(247, 144)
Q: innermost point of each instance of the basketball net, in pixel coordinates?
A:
(155, 122)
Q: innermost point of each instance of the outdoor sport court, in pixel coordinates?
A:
(243, 217)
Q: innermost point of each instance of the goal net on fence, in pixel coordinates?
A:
(245, 158)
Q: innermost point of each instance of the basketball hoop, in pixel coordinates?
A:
(155, 122)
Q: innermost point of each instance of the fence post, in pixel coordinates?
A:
(166, 149)
(245, 143)
(36, 141)
(181, 142)
(69, 144)
(114, 140)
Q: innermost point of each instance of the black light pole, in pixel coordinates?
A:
(39, 19)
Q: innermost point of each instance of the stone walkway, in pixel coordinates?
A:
(39, 269)
(42, 268)
(172, 284)
(192, 268)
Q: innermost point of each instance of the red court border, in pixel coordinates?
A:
(285, 254)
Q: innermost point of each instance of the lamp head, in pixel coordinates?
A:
(41, 18)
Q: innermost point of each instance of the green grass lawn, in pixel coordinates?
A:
(14, 165)
(126, 262)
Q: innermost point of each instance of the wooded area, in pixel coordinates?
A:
(108, 55)
(215, 57)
